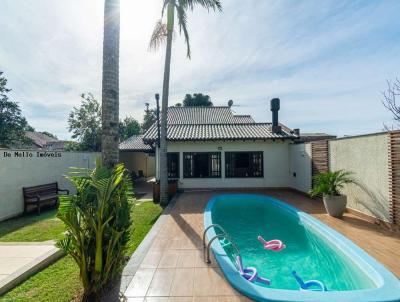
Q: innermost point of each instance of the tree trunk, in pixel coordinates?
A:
(110, 88)
(164, 108)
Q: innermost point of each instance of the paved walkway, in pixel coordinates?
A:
(173, 268)
(19, 260)
(144, 189)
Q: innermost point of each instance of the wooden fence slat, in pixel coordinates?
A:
(394, 176)
(319, 157)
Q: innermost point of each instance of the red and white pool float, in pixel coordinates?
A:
(275, 245)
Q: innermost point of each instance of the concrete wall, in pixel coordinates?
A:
(28, 168)
(135, 161)
(276, 164)
(300, 167)
(367, 158)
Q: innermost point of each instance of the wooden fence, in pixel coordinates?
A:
(394, 176)
(319, 157)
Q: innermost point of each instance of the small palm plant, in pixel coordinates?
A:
(330, 185)
(97, 219)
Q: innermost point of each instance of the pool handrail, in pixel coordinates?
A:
(220, 236)
(215, 225)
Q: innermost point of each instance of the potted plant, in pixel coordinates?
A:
(329, 185)
(172, 190)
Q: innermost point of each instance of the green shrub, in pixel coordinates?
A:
(97, 219)
(331, 183)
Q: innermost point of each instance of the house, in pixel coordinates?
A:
(211, 147)
(314, 136)
(41, 141)
(137, 156)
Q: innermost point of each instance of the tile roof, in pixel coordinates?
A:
(314, 136)
(219, 132)
(56, 145)
(214, 123)
(244, 119)
(134, 143)
(39, 139)
(200, 115)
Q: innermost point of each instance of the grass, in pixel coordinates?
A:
(32, 228)
(60, 281)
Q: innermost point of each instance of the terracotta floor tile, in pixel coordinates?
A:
(200, 260)
(211, 282)
(205, 299)
(156, 299)
(178, 248)
(183, 282)
(169, 259)
(174, 244)
(140, 283)
(187, 258)
(233, 299)
(223, 286)
(190, 244)
(159, 244)
(152, 259)
(161, 284)
(204, 282)
(180, 299)
(136, 299)
(222, 299)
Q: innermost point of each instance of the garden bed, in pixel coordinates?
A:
(60, 281)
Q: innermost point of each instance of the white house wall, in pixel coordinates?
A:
(275, 156)
(300, 167)
(27, 169)
(135, 161)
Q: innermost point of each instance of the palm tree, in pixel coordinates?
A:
(161, 33)
(110, 84)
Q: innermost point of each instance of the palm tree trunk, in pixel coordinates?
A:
(110, 85)
(164, 108)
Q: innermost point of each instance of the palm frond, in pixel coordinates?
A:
(159, 35)
(97, 219)
(163, 7)
(65, 204)
(207, 4)
(331, 183)
(182, 22)
(64, 244)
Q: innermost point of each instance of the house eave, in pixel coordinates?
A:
(152, 141)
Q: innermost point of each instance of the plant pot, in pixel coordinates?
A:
(172, 189)
(335, 205)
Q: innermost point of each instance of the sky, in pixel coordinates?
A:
(328, 61)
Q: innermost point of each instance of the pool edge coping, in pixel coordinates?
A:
(136, 259)
(389, 281)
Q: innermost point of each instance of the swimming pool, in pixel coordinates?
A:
(313, 250)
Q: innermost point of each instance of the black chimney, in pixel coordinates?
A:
(275, 106)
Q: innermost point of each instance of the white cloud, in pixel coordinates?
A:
(327, 61)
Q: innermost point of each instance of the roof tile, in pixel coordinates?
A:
(214, 123)
(134, 143)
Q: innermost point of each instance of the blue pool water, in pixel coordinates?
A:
(306, 253)
(313, 250)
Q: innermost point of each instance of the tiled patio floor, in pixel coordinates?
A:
(174, 269)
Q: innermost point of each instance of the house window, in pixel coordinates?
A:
(202, 164)
(173, 165)
(244, 164)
